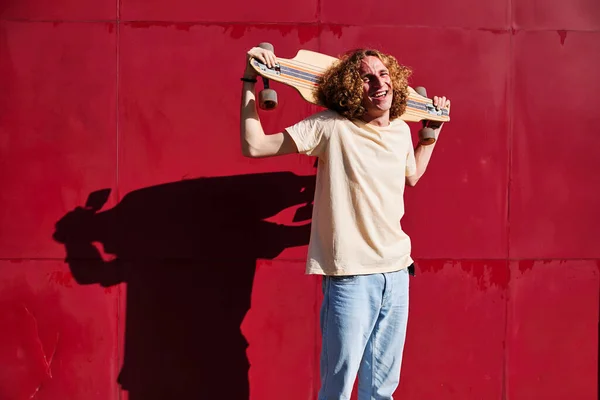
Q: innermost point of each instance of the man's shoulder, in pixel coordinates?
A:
(323, 120)
(400, 124)
(326, 115)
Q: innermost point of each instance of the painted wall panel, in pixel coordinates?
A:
(555, 14)
(58, 339)
(238, 11)
(552, 335)
(456, 330)
(554, 193)
(481, 14)
(62, 10)
(281, 329)
(58, 124)
(180, 102)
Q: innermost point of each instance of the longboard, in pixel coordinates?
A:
(304, 70)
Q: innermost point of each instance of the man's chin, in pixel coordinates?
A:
(382, 105)
(383, 108)
(378, 109)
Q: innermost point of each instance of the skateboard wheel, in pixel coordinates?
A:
(421, 90)
(267, 46)
(267, 99)
(426, 136)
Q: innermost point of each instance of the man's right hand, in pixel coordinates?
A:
(265, 56)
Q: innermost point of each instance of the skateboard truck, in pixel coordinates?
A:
(267, 98)
(426, 134)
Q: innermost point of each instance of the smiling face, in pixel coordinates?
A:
(365, 84)
(377, 88)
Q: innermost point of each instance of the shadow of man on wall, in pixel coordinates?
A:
(187, 252)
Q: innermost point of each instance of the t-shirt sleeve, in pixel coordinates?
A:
(411, 163)
(311, 134)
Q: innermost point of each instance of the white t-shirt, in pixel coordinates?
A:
(359, 194)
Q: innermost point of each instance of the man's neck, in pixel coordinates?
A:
(380, 120)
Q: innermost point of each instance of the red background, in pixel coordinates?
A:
(142, 97)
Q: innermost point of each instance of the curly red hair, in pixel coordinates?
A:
(341, 87)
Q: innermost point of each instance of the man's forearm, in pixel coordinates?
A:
(422, 156)
(251, 129)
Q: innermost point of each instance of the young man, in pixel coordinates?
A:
(357, 244)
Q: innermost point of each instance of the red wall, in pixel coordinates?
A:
(198, 241)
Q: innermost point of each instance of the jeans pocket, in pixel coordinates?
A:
(337, 281)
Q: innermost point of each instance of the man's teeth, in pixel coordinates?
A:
(380, 94)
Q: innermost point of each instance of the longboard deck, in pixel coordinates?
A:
(304, 70)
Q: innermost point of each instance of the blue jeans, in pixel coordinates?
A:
(363, 328)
